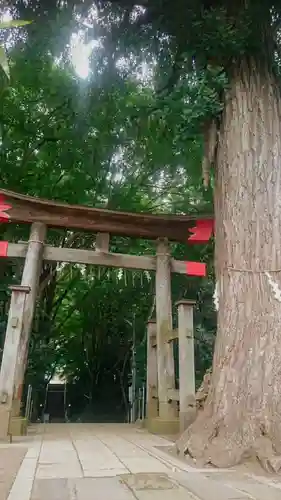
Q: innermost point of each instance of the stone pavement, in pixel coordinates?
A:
(118, 462)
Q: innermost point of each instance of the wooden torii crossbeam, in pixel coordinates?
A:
(27, 209)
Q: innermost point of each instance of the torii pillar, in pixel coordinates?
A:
(151, 372)
(167, 422)
(186, 362)
(18, 330)
(11, 352)
(30, 277)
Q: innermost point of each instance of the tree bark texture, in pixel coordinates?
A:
(242, 414)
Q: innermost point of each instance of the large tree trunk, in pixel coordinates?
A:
(242, 414)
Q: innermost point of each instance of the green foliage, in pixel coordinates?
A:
(3, 56)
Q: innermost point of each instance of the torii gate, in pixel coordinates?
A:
(42, 214)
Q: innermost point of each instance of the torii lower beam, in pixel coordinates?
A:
(56, 254)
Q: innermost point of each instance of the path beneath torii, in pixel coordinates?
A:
(114, 462)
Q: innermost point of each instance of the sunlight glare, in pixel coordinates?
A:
(80, 54)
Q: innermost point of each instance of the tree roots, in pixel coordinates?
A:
(209, 441)
(227, 442)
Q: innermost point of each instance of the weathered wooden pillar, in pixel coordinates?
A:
(186, 362)
(164, 324)
(30, 278)
(102, 242)
(11, 350)
(151, 372)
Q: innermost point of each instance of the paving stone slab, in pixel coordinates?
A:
(207, 489)
(10, 462)
(92, 472)
(155, 487)
(257, 487)
(100, 464)
(59, 471)
(150, 464)
(21, 489)
(50, 489)
(256, 490)
(181, 494)
(273, 480)
(109, 488)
